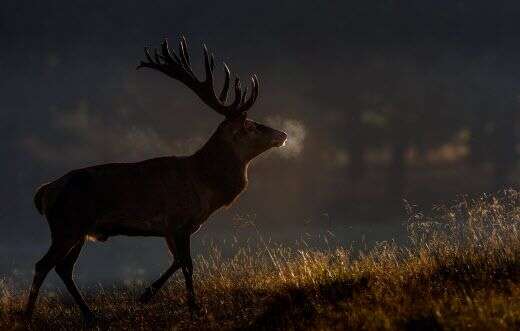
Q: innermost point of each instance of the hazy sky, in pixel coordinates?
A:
(71, 96)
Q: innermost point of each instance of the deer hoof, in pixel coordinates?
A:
(90, 320)
(194, 307)
(23, 315)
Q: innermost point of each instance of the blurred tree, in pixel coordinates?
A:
(494, 115)
(356, 145)
(422, 112)
(504, 154)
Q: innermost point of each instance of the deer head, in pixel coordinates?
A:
(245, 137)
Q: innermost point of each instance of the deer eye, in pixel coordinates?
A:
(249, 126)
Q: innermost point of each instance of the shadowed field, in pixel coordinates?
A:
(461, 270)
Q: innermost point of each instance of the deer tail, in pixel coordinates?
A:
(38, 198)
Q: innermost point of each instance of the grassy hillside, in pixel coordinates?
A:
(461, 271)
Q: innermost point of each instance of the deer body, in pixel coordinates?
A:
(167, 197)
(119, 200)
(148, 198)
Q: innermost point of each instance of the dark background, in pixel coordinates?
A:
(383, 101)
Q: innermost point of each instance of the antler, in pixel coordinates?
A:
(179, 68)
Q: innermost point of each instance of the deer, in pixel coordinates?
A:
(167, 196)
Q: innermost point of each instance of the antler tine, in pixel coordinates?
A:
(147, 53)
(238, 97)
(208, 67)
(244, 94)
(256, 85)
(168, 54)
(156, 55)
(183, 50)
(178, 67)
(225, 88)
(254, 94)
(150, 63)
(209, 81)
(212, 63)
(185, 56)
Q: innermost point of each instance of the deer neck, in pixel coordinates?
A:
(221, 172)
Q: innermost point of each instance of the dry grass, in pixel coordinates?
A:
(461, 271)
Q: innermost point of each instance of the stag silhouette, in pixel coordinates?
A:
(166, 197)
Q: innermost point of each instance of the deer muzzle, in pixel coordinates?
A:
(279, 138)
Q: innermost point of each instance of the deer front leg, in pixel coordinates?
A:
(179, 245)
(156, 286)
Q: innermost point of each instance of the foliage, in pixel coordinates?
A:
(460, 271)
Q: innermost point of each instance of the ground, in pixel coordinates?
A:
(460, 271)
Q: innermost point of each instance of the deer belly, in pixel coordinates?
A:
(126, 225)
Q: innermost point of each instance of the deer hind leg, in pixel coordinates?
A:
(57, 252)
(184, 254)
(65, 269)
(151, 290)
